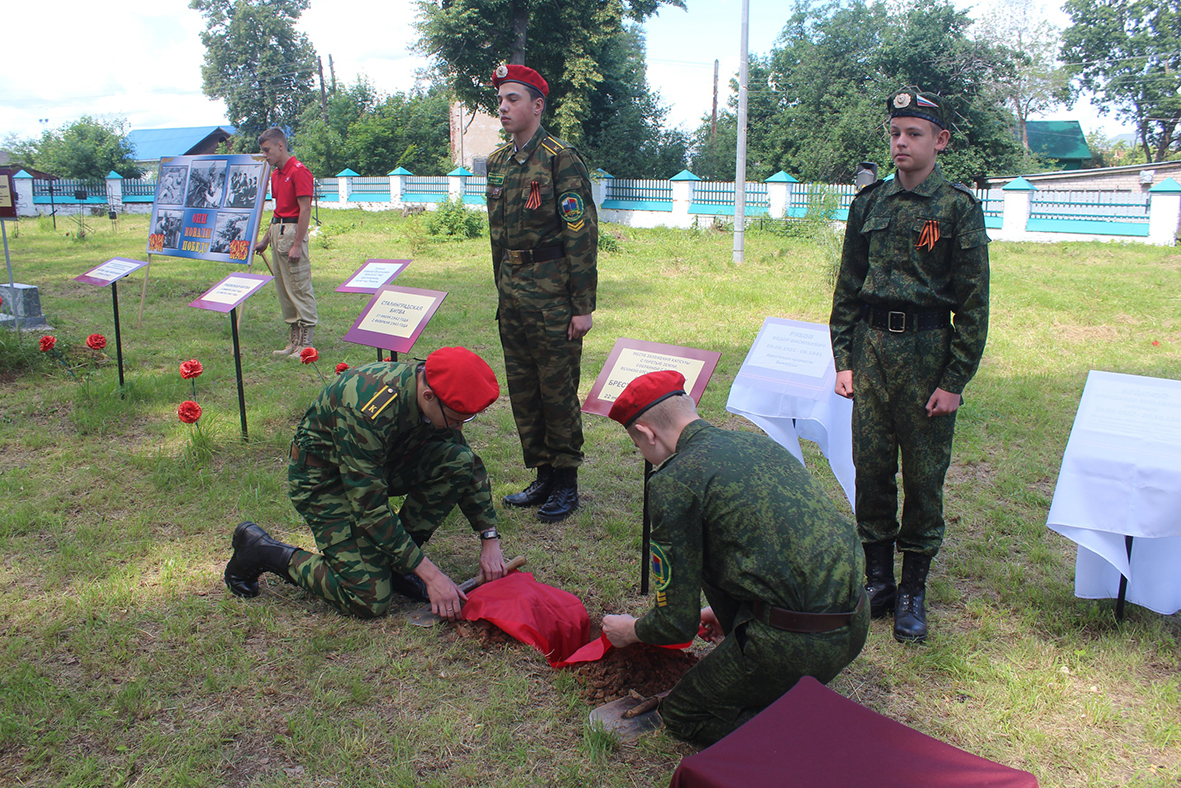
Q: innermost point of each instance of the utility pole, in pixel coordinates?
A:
(740, 164)
(713, 117)
(332, 71)
(323, 96)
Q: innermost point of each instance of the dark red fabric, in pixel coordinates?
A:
(288, 182)
(522, 74)
(813, 736)
(553, 621)
(644, 392)
(461, 379)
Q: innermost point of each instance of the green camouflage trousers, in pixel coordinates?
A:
(750, 670)
(350, 572)
(894, 374)
(541, 365)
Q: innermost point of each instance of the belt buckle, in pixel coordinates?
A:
(891, 321)
(519, 256)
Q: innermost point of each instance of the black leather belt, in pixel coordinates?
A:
(522, 256)
(303, 457)
(284, 219)
(807, 623)
(898, 321)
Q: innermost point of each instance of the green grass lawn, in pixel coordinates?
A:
(125, 661)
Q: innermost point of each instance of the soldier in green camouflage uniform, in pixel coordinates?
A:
(371, 434)
(916, 252)
(544, 233)
(736, 516)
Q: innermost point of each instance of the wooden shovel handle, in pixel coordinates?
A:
(512, 565)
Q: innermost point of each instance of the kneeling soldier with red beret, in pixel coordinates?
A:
(382, 430)
(735, 515)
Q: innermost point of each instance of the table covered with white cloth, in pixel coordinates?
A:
(1121, 477)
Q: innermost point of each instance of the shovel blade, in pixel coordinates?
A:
(423, 617)
(610, 717)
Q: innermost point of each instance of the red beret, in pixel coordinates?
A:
(522, 74)
(461, 380)
(644, 392)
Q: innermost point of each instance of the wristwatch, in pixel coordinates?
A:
(489, 534)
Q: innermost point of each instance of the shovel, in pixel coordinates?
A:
(423, 617)
(628, 718)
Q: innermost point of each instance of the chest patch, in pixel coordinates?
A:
(496, 179)
(379, 402)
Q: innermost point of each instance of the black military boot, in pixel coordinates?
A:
(910, 615)
(563, 498)
(410, 586)
(255, 552)
(537, 492)
(879, 578)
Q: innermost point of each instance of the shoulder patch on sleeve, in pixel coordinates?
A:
(571, 207)
(961, 187)
(378, 402)
(662, 573)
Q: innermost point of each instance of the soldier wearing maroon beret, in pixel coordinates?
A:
(378, 431)
(544, 230)
(736, 516)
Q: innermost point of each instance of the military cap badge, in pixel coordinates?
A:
(902, 100)
(501, 71)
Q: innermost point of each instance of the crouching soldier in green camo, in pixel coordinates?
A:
(377, 431)
(915, 253)
(736, 516)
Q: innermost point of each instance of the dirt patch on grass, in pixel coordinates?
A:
(647, 670)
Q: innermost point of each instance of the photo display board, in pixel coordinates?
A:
(631, 358)
(208, 207)
(7, 198)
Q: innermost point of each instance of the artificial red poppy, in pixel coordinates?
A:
(191, 369)
(47, 344)
(308, 355)
(96, 342)
(341, 367)
(189, 411)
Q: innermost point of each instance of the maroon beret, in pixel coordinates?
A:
(461, 380)
(644, 392)
(522, 74)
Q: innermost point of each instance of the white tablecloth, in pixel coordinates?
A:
(1121, 476)
(785, 387)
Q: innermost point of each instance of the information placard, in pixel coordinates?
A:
(208, 207)
(631, 358)
(395, 317)
(231, 291)
(373, 275)
(7, 197)
(111, 271)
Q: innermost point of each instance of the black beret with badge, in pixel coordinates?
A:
(912, 103)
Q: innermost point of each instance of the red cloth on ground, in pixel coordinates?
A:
(813, 736)
(553, 621)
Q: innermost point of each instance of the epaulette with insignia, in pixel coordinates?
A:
(966, 191)
(869, 187)
(379, 402)
(552, 145)
(506, 146)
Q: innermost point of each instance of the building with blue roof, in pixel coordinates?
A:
(151, 145)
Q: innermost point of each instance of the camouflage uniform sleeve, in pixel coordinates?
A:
(677, 563)
(475, 498)
(846, 301)
(362, 472)
(580, 234)
(969, 271)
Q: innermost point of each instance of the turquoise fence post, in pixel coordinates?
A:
(683, 184)
(779, 187)
(344, 184)
(1164, 211)
(1018, 205)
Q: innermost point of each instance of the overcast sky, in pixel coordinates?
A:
(143, 62)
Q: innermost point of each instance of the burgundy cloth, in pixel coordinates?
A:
(522, 74)
(813, 737)
(644, 392)
(288, 182)
(553, 621)
(462, 380)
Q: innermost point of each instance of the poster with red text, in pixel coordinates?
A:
(208, 207)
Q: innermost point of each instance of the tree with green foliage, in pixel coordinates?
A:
(1128, 53)
(816, 105)
(565, 42)
(373, 133)
(257, 62)
(87, 149)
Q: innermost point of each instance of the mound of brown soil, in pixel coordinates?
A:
(646, 669)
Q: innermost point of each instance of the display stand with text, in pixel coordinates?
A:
(109, 273)
(629, 359)
(394, 318)
(786, 387)
(1118, 494)
(226, 296)
(372, 276)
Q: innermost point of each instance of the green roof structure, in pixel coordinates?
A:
(1060, 140)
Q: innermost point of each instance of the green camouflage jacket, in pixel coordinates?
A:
(565, 214)
(735, 515)
(368, 418)
(883, 265)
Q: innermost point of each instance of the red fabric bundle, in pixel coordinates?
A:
(553, 621)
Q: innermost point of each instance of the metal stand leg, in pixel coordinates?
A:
(238, 370)
(118, 333)
(646, 545)
(1123, 583)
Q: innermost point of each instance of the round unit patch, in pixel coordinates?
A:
(571, 207)
(662, 570)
